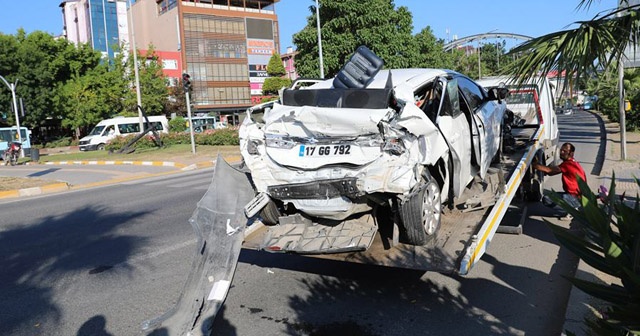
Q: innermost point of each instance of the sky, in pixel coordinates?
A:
(458, 17)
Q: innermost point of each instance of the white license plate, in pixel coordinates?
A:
(327, 150)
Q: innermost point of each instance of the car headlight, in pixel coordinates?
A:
(278, 141)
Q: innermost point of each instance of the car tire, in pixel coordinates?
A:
(535, 179)
(100, 147)
(270, 214)
(421, 214)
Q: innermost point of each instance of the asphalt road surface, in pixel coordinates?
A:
(101, 261)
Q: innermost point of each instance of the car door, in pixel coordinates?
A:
(455, 129)
(486, 122)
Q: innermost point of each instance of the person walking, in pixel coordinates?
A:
(570, 170)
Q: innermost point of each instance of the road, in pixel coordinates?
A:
(100, 261)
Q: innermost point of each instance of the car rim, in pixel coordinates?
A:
(431, 208)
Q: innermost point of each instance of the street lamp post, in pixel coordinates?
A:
(319, 40)
(135, 65)
(12, 87)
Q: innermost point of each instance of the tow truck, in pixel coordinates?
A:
(495, 204)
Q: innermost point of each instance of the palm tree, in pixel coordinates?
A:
(579, 52)
(611, 232)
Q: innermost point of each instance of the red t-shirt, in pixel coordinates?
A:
(570, 169)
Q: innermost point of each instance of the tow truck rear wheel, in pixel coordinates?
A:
(421, 214)
(535, 181)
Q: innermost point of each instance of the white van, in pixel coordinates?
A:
(110, 128)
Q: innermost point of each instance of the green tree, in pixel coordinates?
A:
(79, 98)
(605, 86)
(176, 102)
(275, 67)
(347, 24)
(153, 88)
(494, 59)
(8, 64)
(275, 81)
(430, 52)
(44, 64)
(40, 63)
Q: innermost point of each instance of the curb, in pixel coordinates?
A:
(119, 162)
(34, 191)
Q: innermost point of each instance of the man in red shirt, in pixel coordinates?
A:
(571, 170)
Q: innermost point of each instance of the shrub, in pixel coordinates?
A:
(61, 142)
(610, 242)
(219, 137)
(178, 124)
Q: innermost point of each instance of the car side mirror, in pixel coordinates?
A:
(498, 93)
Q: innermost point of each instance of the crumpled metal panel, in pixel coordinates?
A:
(219, 224)
(298, 234)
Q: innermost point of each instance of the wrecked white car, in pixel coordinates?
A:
(407, 139)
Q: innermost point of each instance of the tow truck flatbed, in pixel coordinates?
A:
(464, 234)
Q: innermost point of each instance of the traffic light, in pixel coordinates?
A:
(186, 82)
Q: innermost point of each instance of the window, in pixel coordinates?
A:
(259, 29)
(471, 92)
(129, 128)
(450, 104)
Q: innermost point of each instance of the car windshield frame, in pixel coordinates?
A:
(97, 130)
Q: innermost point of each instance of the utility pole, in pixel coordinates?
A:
(479, 65)
(12, 87)
(135, 67)
(319, 40)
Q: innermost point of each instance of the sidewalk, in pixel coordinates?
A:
(582, 306)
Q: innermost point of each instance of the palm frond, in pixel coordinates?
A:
(578, 52)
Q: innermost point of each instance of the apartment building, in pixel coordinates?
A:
(224, 45)
(100, 23)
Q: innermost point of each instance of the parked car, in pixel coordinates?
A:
(589, 102)
(410, 139)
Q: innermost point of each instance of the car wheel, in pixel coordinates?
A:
(535, 187)
(6, 159)
(270, 214)
(421, 214)
(100, 147)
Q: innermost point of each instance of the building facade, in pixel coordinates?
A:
(288, 61)
(100, 23)
(224, 45)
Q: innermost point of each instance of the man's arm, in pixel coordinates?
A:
(549, 170)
